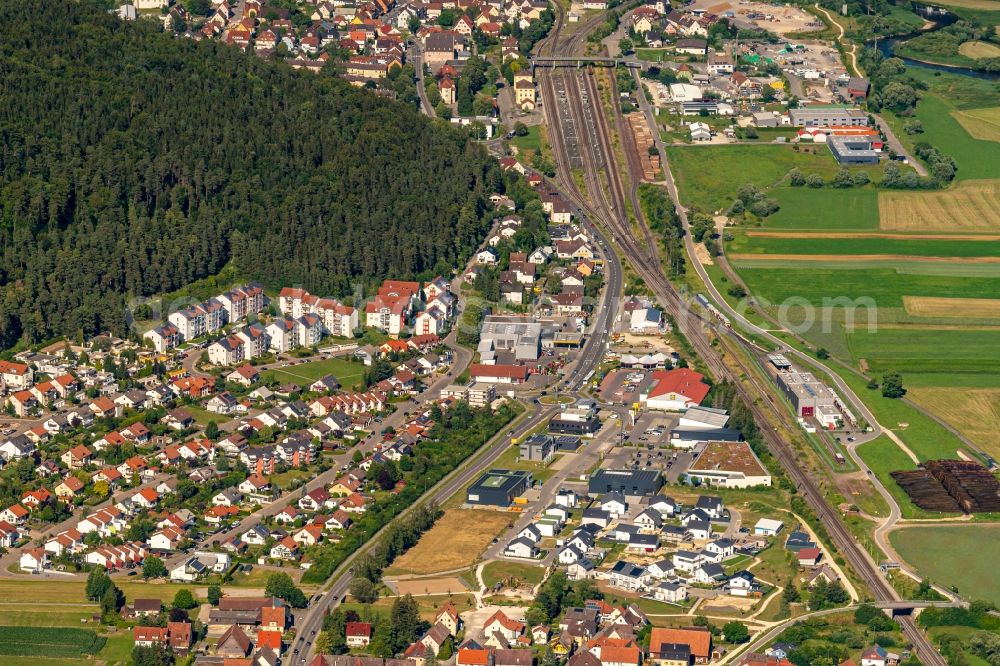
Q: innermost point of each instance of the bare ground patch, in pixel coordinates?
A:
(932, 306)
(970, 206)
(428, 586)
(455, 541)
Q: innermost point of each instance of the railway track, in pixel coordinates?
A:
(567, 96)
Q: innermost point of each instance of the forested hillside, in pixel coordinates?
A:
(133, 163)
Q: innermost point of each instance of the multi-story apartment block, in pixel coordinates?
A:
(281, 333)
(242, 302)
(255, 341)
(338, 319)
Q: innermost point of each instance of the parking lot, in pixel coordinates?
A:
(623, 387)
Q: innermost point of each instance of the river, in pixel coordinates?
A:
(887, 46)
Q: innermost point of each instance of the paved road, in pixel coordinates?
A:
(418, 67)
(897, 146)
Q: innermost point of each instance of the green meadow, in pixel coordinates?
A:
(807, 209)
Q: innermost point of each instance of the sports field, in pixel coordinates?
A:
(961, 555)
(347, 373)
(456, 540)
(970, 206)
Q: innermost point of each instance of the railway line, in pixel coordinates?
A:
(571, 100)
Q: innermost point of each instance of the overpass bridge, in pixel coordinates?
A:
(581, 61)
(897, 608)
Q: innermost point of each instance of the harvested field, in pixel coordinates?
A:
(950, 485)
(975, 412)
(928, 306)
(428, 586)
(970, 206)
(980, 123)
(977, 49)
(863, 257)
(455, 541)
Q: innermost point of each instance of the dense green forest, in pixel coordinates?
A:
(133, 162)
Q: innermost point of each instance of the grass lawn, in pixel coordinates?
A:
(27, 592)
(655, 55)
(455, 541)
(532, 141)
(284, 480)
(428, 605)
(805, 209)
(54, 615)
(963, 556)
(926, 437)
(883, 456)
(348, 373)
(500, 571)
(709, 176)
(540, 472)
(202, 416)
(118, 649)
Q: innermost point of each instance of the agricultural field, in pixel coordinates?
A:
(29, 592)
(850, 247)
(968, 207)
(963, 556)
(910, 350)
(979, 49)
(49, 642)
(348, 373)
(962, 308)
(975, 412)
(982, 124)
(455, 541)
(709, 176)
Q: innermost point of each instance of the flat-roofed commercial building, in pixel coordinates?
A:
(499, 487)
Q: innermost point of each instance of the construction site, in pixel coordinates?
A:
(951, 486)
